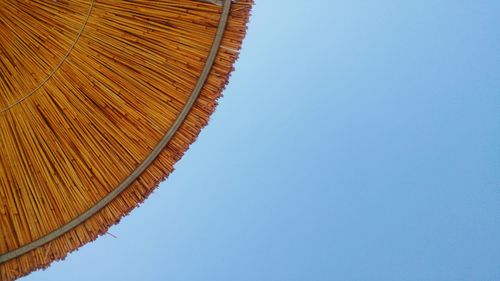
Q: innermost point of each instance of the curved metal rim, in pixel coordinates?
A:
(149, 159)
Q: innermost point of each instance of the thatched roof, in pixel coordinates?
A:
(98, 100)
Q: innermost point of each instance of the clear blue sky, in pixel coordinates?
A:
(357, 140)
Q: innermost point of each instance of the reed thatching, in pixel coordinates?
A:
(88, 91)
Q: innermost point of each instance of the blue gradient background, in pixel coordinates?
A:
(357, 140)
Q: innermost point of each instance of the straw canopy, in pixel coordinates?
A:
(98, 100)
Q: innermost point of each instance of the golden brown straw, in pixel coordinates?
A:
(88, 89)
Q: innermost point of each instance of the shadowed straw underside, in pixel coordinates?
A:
(87, 90)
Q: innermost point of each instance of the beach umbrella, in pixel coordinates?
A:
(98, 100)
